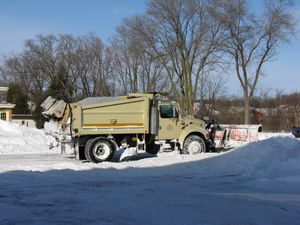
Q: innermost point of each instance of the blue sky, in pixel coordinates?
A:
(24, 19)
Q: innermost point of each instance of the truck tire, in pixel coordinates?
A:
(100, 149)
(193, 144)
(87, 149)
(152, 148)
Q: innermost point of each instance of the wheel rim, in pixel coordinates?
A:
(194, 147)
(101, 151)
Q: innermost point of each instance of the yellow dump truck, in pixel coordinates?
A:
(101, 125)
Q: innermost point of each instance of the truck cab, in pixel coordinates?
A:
(188, 132)
(169, 127)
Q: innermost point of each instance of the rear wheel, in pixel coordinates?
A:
(193, 144)
(100, 149)
(87, 149)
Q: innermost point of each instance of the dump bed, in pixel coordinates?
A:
(112, 116)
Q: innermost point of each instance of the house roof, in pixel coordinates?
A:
(4, 88)
(6, 106)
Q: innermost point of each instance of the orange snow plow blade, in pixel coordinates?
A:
(237, 133)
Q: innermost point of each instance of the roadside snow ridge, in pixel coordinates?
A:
(16, 139)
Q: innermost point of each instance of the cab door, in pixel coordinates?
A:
(169, 123)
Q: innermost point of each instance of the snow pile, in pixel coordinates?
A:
(277, 157)
(266, 135)
(16, 139)
(274, 158)
(51, 127)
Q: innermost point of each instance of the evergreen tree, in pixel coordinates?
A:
(60, 87)
(39, 118)
(18, 96)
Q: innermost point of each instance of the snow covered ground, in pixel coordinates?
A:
(257, 183)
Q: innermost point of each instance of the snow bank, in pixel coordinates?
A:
(16, 139)
(266, 135)
(274, 158)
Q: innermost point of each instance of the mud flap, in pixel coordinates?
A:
(77, 154)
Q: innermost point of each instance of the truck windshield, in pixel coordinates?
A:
(168, 111)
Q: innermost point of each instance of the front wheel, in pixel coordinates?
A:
(193, 144)
(100, 149)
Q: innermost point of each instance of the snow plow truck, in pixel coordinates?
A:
(96, 127)
(99, 126)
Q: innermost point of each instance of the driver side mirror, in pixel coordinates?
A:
(175, 112)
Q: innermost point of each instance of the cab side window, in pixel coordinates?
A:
(168, 111)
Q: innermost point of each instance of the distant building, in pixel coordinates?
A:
(24, 119)
(5, 107)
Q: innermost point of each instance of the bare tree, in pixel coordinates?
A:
(214, 88)
(88, 65)
(96, 66)
(184, 37)
(152, 77)
(136, 70)
(253, 40)
(127, 57)
(70, 67)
